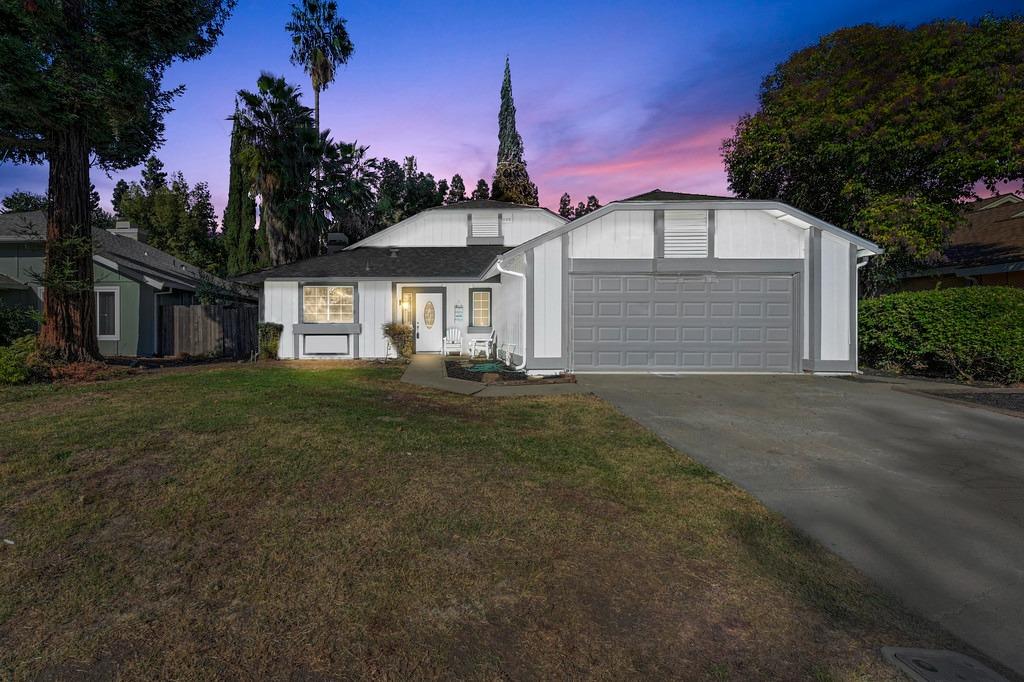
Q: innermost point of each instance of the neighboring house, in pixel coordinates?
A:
(988, 250)
(660, 282)
(131, 280)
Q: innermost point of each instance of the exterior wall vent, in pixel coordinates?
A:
(485, 226)
(686, 234)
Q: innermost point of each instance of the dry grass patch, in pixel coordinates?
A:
(328, 522)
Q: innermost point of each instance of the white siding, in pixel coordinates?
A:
(281, 305)
(449, 227)
(547, 299)
(523, 225)
(375, 310)
(619, 234)
(835, 298)
(756, 234)
(686, 234)
(508, 307)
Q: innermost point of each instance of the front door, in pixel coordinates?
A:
(429, 323)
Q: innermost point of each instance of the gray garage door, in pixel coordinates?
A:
(683, 323)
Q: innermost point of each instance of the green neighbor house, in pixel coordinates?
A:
(132, 280)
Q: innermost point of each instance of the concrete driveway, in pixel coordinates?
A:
(924, 496)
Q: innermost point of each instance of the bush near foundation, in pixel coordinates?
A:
(970, 333)
(269, 339)
(401, 337)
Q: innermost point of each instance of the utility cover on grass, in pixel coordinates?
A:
(938, 665)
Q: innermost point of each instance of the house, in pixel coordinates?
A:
(132, 280)
(663, 282)
(988, 250)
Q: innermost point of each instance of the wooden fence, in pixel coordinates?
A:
(208, 330)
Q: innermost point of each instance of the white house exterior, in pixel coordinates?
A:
(662, 282)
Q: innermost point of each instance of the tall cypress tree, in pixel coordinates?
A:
(511, 180)
(239, 214)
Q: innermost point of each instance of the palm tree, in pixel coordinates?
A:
(282, 154)
(319, 43)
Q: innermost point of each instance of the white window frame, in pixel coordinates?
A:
(116, 336)
(472, 308)
(302, 303)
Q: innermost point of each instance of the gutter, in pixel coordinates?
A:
(503, 271)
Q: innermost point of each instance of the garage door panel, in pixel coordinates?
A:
(719, 322)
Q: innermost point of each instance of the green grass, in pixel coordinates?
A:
(327, 521)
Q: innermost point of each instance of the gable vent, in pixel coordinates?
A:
(686, 234)
(486, 225)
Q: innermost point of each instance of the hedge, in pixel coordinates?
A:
(269, 339)
(17, 321)
(966, 333)
(17, 361)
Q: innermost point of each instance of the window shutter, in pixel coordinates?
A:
(686, 234)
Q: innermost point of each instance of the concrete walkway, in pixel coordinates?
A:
(925, 496)
(428, 371)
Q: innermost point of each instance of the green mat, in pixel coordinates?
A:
(486, 367)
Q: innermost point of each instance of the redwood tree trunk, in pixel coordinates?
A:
(69, 304)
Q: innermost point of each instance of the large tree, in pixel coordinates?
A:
(21, 200)
(282, 153)
(511, 180)
(457, 192)
(81, 83)
(888, 130)
(482, 191)
(239, 223)
(320, 43)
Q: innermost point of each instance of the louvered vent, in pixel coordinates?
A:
(686, 234)
(486, 226)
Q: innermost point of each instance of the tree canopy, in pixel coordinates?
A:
(82, 85)
(239, 223)
(511, 180)
(886, 131)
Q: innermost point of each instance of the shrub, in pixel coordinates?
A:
(967, 333)
(18, 362)
(401, 337)
(17, 321)
(269, 339)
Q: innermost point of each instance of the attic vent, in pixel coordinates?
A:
(686, 234)
(485, 225)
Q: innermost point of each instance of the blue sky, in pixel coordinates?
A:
(613, 98)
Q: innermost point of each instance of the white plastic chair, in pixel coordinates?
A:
(482, 346)
(453, 341)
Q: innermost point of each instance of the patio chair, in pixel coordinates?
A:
(453, 341)
(483, 347)
(505, 352)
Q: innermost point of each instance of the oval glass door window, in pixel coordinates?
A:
(428, 314)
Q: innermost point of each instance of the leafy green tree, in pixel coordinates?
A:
(565, 207)
(390, 193)
(511, 180)
(81, 83)
(457, 192)
(420, 189)
(592, 205)
(320, 42)
(887, 131)
(281, 155)
(153, 175)
(21, 200)
(120, 188)
(349, 181)
(239, 223)
(482, 191)
(442, 191)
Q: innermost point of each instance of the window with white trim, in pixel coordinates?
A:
(108, 314)
(328, 304)
(480, 310)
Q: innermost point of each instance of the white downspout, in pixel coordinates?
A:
(518, 274)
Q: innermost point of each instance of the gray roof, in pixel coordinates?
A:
(131, 253)
(662, 195)
(27, 226)
(482, 204)
(370, 262)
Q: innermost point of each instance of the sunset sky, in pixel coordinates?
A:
(612, 98)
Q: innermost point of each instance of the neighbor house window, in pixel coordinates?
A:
(480, 312)
(108, 314)
(328, 304)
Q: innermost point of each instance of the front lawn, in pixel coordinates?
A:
(324, 521)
